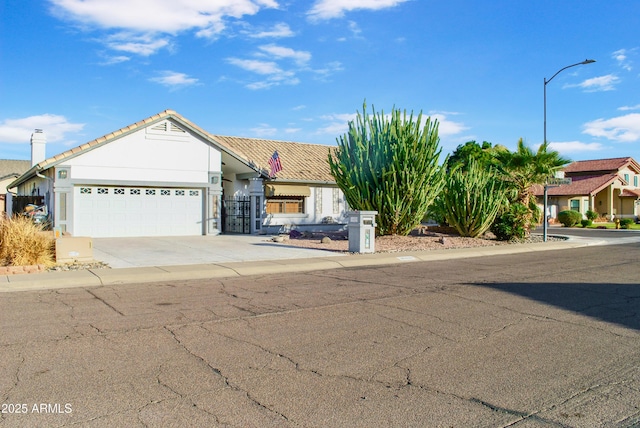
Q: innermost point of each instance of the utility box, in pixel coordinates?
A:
(362, 231)
(74, 249)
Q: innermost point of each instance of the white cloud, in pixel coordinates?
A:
(575, 147)
(276, 75)
(624, 129)
(256, 66)
(278, 31)
(337, 124)
(596, 84)
(446, 127)
(174, 79)
(626, 108)
(115, 60)
(280, 52)
(264, 130)
(139, 44)
(327, 9)
(621, 56)
(153, 18)
(54, 126)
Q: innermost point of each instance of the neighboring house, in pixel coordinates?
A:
(165, 176)
(609, 187)
(10, 170)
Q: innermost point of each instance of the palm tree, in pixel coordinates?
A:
(524, 168)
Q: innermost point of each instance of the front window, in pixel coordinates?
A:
(575, 205)
(285, 205)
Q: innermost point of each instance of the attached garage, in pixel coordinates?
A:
(118, 211)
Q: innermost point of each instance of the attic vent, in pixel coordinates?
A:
(160, 127)
(166, 130)
(175, 128)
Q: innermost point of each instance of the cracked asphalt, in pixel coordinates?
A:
(550, 339)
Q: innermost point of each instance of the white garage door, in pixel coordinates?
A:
(102, 211)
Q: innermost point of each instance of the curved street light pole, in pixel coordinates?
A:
(545, 223)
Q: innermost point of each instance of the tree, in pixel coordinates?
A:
(465, 153)
(389, 164)
(524, 168)
(471, 199)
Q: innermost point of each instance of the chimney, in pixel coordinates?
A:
(38, 147)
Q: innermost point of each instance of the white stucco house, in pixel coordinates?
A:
(165, 176)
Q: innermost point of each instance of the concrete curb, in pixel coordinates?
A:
(102, 277)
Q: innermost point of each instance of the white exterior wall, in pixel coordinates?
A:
(147, 156)
(314, 214)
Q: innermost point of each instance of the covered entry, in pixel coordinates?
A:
(236, 215)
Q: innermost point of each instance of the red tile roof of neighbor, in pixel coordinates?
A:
(601, 165)
(630, 193)
(579, 186)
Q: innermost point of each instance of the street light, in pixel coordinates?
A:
(545, 224)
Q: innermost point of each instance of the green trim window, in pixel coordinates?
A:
(574, 205)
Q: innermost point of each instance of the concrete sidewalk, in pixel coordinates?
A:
(283, 259)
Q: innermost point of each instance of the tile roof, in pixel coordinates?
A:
(300, 162)
(13, 168)
(579, 186)
(613, 164)
(630, 193)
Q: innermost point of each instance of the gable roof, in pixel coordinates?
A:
(301, 162)
(580, 186)
(601, 165)
(13, 168)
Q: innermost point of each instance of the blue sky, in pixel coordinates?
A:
(299, 70)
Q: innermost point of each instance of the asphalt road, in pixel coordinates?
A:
(547, 339)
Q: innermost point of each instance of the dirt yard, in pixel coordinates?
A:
(423, 238)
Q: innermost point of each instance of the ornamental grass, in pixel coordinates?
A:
(24, 243)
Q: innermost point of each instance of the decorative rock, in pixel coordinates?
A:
(277, 239)
(325, 240)
(443, 240)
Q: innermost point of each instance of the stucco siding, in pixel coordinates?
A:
(147, 157)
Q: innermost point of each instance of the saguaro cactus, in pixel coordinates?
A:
(389, 164)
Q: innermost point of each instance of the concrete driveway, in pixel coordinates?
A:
(191, 250)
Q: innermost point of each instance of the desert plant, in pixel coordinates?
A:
(389, 164)
(471, 199)
(522, 169)
(591, 215)
(586, 222)
(513, 223)
(569, 218)
(22, 243)
(626, 223)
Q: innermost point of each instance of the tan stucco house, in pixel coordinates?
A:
(10, 169)
(610, 187)
(165, 176)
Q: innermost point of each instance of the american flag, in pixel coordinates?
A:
(274, 164)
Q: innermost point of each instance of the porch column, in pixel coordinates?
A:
(214, 204)
(611, 202)
(256, 193)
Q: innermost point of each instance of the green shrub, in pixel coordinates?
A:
(512, 224)
(569, 218)
(471, 199)
(592, 215)
(586, 223)
(24, 243)
(626, 223)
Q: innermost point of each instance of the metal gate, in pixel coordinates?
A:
(236, 215)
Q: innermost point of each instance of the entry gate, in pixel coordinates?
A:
(236, 215)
